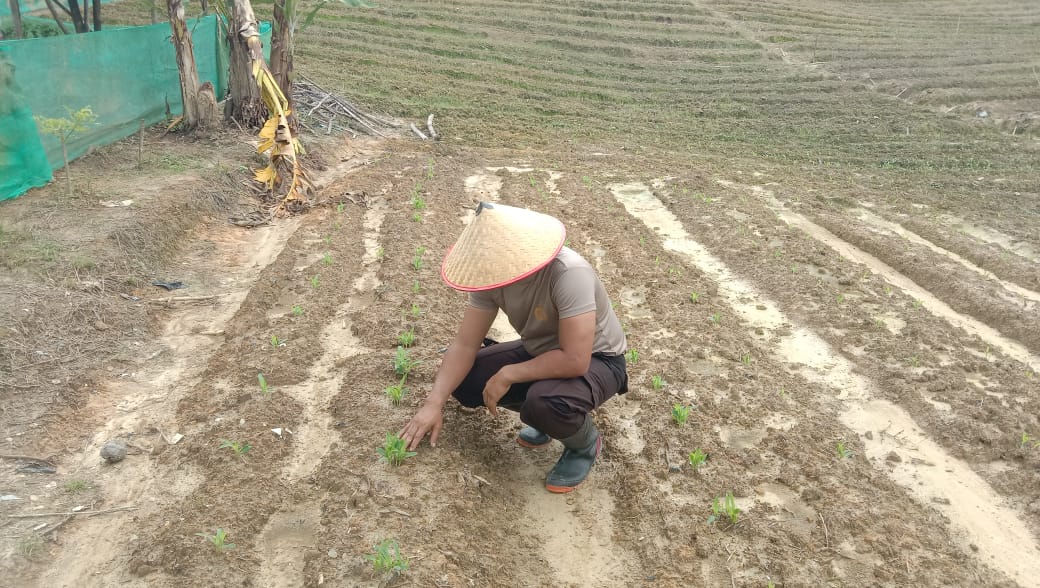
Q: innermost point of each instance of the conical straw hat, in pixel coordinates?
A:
(502, 245)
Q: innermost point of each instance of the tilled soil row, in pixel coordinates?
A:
(767, 433)
(955, 285)
(971, 400)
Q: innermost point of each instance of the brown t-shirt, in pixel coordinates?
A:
(567, 287)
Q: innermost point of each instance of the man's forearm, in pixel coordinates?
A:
(551, 365)
(455, 365)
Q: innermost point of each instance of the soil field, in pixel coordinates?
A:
(819, 223)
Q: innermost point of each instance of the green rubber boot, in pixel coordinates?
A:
(579, 453)
(532, 438)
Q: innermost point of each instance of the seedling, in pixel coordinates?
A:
(264, 389)
(914, 361)
(393, 451)
(297, 310)
(715, 319)
(326, 259)
(416, 287)
(730, 505)
(680, 414)
(716, 510)
(314, 282)
(917, 303)
(417, 202)
(632, 356)
(76, 486)
(327, 239)
(387, 558)
(396, 391)
(417, 262)
(657, 382)
(879, 323)
(840, 299)
(531, 180)
(1026, 440)
(407, 338)
(415, 311)
(694, 297)
(403, 364)
(28, 546)
(843, 451)
(239, 447)
(429, 170)
(341, 207)
(888, 290)
(697, 458)
(380, 252)
(275, 341)
(778, 254)
(587, 181)
(416, 218)
(746, 359)
(218, 539)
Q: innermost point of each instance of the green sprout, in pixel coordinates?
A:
(264, 389)
(407, 338)
(326, 259)
(429, 169)
(416, 217)
(275, 341)
(239, 447)
(697, 458)
(76, 486)
(29, 545)
(1026, 440)
(415, 311)
(395, 392)
(879, 323)
(380, 252)
(914, 361)
(888, 290)
(327, 239)
(394, 451)
(680, 414)
(657, 382)
(314, 282)
(587, 181)
(417, 262)
(218, 539)
(341, 207)
(694, 297)
(386, 557)
(632, 355)
(417, 202)
(728, 506)
(297, 310)
(715, 319)
(843, 451)
(840, 298)
(403, 363)
(746, 359)
(416, 287)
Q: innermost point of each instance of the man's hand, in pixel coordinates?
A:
(495, 389)
(428, 420)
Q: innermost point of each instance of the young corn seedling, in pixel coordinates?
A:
(632, 356)
(417, 202)
(386, 558)
(715, 319)
(843, 451)
(326, 259)
(730, 505)
(264, 389)
(840, 299)
(276, 342)
(416, 287)
(380, 252)
(407, 338)
(76, 486)
(218, 540)
(716, 510)
(681, 414)
(403, 364)
(746, 359)
(417, 262)
(341, 207)
(239, 447)
(415, 311)
(314, 282)
(694, 297)
(327, 239)
(657, 382)
(416, 217)
(394, 451)
(429, 170)
(297, 310)
(395, 392)
(697, 458)
(1026, 440)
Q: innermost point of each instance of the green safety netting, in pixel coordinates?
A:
(125, 75)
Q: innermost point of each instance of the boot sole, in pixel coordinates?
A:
(566, 489)
(523, 443)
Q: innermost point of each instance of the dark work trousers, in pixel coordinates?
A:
(554, 407)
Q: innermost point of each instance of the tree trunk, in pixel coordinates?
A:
(194, 96)
(282, 49)
(96, 7)
(57, 20)
(246, 105)
(16, 16)
(77, 17)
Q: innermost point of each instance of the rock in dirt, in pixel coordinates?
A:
(893, 457)
(114, 451)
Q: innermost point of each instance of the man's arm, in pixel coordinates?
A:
(571, 360)
(457, 361)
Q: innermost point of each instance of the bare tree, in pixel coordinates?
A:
(16, 15)
(246, 105)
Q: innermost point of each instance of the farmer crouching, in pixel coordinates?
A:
(570, 356)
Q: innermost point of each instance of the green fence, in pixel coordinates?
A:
(125, 75)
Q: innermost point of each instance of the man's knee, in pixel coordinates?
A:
(550, 414)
